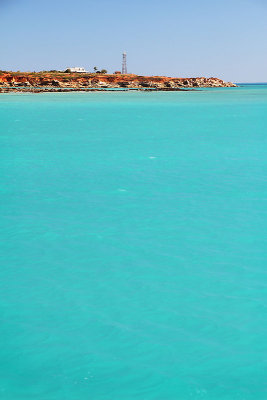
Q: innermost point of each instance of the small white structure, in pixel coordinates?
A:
(78, 69)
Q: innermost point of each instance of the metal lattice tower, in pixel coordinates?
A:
(124, 63)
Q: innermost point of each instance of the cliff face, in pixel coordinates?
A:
(91, 81)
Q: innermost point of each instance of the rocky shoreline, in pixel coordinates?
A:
(67, 82)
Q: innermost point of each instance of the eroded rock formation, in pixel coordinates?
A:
(62, 81)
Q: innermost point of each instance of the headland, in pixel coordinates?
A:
(37, 82)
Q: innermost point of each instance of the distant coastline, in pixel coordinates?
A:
(251, 83)
(37, 82)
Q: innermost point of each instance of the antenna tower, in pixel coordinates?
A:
(124, 63)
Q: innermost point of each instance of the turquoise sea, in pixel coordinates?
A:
(134, 245)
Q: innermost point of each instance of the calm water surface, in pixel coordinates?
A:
(134, 245)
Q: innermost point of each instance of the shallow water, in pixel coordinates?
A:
(133, 245)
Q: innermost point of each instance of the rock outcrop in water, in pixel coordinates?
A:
(39, 82)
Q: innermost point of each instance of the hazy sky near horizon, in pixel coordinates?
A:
(227, 39)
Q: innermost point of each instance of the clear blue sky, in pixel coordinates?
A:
(184, 38)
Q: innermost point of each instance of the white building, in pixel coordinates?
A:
(77, 69)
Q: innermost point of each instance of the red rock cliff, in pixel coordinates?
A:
(68, 80)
